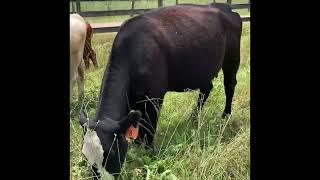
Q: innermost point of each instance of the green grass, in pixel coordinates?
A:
(140, 4)
(209, 148)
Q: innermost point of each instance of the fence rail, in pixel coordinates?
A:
(113, 12)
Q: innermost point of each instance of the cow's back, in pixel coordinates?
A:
(234, 34)
(193, 39)
(184, 44)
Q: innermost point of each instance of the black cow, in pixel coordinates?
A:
(167, 49)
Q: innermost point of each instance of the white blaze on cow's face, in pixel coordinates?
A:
(93, 151)
(92, 148)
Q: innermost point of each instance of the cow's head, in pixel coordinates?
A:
(110, 138)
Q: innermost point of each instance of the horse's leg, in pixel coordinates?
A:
(80, 82)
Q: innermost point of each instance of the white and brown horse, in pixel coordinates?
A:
(80, 51)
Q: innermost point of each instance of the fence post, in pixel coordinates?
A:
(177, 2)
(249, 6)
(78, 6)
(132, 7)
(73, 8)
(229, 1)
(160, 3)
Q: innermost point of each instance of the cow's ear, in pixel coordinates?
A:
(85, 121)
(132, 120)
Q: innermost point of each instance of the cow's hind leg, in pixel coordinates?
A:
(80, 82)
(230, 80)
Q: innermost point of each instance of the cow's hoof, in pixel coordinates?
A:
(224, 114)
(193, 117)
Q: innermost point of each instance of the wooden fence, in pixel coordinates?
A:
(114, 27)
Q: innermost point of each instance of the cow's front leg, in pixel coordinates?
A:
(150, 110)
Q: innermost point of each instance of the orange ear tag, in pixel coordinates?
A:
(132, 133)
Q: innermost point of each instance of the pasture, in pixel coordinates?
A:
(210, 148)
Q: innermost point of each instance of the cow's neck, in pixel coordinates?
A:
(113, 102)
